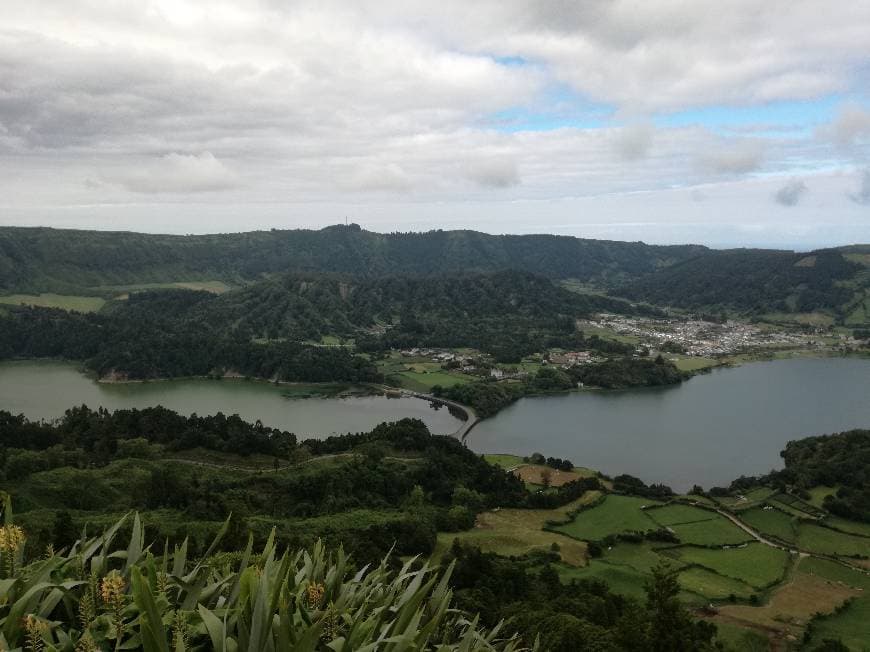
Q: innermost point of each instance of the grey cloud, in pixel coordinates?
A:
(738, 158)
(177, 173)
(634, 141)
(790, 194)
(496, 172)
(862, 195)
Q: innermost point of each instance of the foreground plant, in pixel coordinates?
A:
(100, 596)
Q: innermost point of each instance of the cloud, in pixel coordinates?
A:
(496, 172)
(177, 173)
(862, 195)
(791, 193)
(634, 141)
(378, 178)
(737, 158)
(851, 125)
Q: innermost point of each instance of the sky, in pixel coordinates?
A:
(731, 124)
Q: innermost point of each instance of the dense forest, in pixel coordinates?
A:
(260, 330)
(839, 460)
(755, 281)
(68, 261)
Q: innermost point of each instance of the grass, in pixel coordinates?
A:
(718, 531)
(424, 382)
(619, 579)
(616, 514)
(826, 541)
(712, 585)
(772, 522)
(756, 564)
(853, 527)
(692, 363)
(504, 461)
(62, 301)
(739, 639)
(534, 474)
(676, 514)
(818, 495)
(520, 531)
(639, 556)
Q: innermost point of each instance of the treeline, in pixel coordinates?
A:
(754, 282)
(151, 338)
(487, 397)
(839, 460)
(73, 262)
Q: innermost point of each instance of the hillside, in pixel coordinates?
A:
(755, 281)
(69, 261)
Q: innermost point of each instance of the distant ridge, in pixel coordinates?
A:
(55, 260)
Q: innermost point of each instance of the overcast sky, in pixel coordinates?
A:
(726, 123)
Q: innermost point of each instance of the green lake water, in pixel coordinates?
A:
(44, 390)
(708, 430)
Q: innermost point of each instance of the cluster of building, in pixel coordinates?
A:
(698, 337)
(569, 358)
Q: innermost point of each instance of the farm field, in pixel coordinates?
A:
(520, 531)
(853, 527)
(823, 540)
(718, 531)
(62, 301)
(771, 522)
(818, 494)
(755, 564)
(791, 606)
(713, 586)
(534, 474)
(419, 374)
(675, 514)
(851, 626)
(616, 514)
(692, 363)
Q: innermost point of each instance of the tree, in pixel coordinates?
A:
(546, 478)
(671, 627)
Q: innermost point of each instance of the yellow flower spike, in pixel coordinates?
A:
(314, 594)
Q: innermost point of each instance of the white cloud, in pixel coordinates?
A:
(852, 124)
(634, 141)
(791, 193)
(176, 173)
(496, 172)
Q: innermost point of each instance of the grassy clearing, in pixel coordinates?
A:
(818, 495)
(712, 585)
(826, 541)
(639, 556)
(835, 572)
(534, 474)
(740, 639)
(616, 514)
(693, 363)
(520, 531)
(771, 522)
(619, 579)
(718, 531)
(756, 564)
(62, 301)
(677, 514)
(426, 381)
(504, 461)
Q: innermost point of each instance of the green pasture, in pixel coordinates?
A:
(718, 531)
(712, 585)
(616, 514)
(676, 514)
(771, 522)
(504, 461)
(816, 538)
(851, 626)
(818, 495)
(755, 564)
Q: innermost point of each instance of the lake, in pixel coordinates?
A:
(44, 390)
(708, 430)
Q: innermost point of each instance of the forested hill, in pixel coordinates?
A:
(761, 281)
(67, 261)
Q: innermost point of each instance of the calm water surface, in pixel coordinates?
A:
(43, 390)
(708, 430)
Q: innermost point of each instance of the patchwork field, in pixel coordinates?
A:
(755, 564)
(520, 531)
(713, 586)
(616, 514)
(677, 514)
(823, 540)
(62, 301)
(718, 531)
(534, 474)
(771, 522)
